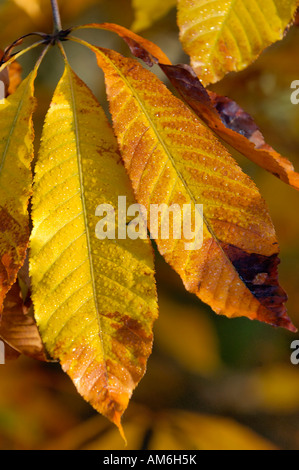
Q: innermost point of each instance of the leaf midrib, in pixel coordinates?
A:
(161, 140)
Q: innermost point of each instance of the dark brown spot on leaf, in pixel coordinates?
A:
(260, 275)
(235, 118)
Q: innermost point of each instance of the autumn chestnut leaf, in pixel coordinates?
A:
(94, 297)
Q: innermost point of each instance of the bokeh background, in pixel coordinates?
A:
(211, 383)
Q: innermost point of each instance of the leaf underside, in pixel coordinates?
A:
(95, 300)
(172, 158)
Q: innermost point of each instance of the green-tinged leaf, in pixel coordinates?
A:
(95, 300)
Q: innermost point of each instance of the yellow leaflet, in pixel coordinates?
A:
(95, 300)
(206, 432)
(227, 35)
(16, 153)
(147, 12)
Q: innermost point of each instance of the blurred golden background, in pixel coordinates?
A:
(211, 383)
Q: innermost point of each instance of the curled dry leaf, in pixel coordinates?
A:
(142, 48)
(231, 123)
(172, 158)
(11, 76)
(18, 328)
(95, 300)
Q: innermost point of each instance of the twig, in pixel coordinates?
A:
(56, 16)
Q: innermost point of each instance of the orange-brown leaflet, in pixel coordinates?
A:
(89, 375)
(218, 273)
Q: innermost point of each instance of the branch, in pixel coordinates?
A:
(56, 16)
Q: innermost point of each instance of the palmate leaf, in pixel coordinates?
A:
(172, 158)
(95, 300)
(227, 35)
(16, 153)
